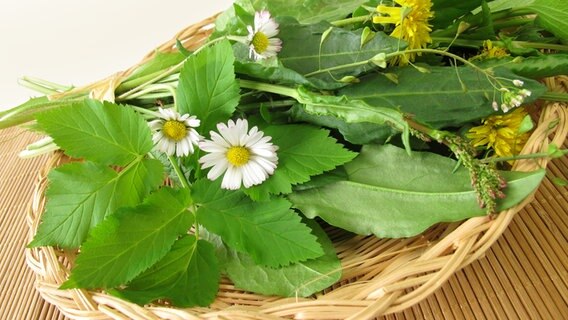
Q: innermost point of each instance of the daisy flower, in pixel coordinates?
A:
(246, 157)
(261, 39)
(501, 133)
(411, 21)
(175, 133)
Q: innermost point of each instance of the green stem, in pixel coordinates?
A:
(36, 87)
(46, 84)
(479, 43)
(271, 88)
(146, 111)
(348, 21)
(271, 104)
(511, 23)
(339, 67)
(554, 96)
(179, 173)
(521, 157)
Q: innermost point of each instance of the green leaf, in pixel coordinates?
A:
(269, 231)
(131, 240)
(303, 53)
(552, 16)
(446, 11)
(356, 133)
(207, 86)
(160, 62)
(101, 132)
(306, 11)
(354, 111)
(436, 98)
(390, 194)
(537, 67)
(500, 5)
(308, 152)
(187, 276)
(81, 195)
(301, 279)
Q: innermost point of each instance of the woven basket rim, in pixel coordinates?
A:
(392, 274)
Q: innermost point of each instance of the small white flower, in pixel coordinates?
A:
(504, 107)
(175, 133)
(525, 93)
(518, 83)
(261, 39)
(495, 105)
(246, 157)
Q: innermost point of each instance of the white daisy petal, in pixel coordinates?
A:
(245, 158)
(174, 133)
(261, 39)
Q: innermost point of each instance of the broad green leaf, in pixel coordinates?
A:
(187, 276)
(546, 65)
(81, 195)
(354, 111)
(500, 5)
(306, 11)
(552, 16)
(269, 231)
(131, 240)
(436, 98)
(303, 53)
(390, 194)
(307, 152)
(101, 132)
(300, 279)
(446, 11)
(207, 86)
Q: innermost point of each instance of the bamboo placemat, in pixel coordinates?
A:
(523, 276)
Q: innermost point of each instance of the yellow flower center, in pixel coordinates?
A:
(238, 156)
(174, 130)
(260, 42)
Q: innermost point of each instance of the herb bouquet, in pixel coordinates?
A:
(328, 152)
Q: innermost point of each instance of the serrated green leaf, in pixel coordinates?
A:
(301, 279)
(436, 98)
(131, 240)
(269, 231)
(552, 16)
(187, 276)
(81, 195)
(390, 194)
(307, 152)
(304, 54)
(207, 86)
(101, 132)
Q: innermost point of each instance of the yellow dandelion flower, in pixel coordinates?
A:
(411, 21)
(491, 51)
(501, 133)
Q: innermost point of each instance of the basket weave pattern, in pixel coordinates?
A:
(380, 276)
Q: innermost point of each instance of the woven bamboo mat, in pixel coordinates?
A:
(523, 276)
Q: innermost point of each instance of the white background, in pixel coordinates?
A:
(76, 42)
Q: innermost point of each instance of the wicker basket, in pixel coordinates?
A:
(380, 276)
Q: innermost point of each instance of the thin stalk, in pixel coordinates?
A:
(554, 96)
(36, 87)
(479, 43)
(179, 173)
(46, 84)
(339, 67)
(271, 88)
(30, 153)
(521, 157)
(348, 21)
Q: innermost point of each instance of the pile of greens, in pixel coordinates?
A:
(369, 131)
